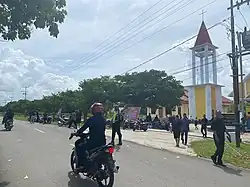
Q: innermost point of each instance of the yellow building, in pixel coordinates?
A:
(246, 93)
(184, 107)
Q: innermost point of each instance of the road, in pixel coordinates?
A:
(33, 155)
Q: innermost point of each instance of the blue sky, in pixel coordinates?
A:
(63, 60)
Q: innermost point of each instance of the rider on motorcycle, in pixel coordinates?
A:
(9, 115)
(96, 125)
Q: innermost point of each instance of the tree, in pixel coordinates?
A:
(104, 90)
(145, 89)
(18, 18)
(151, 88)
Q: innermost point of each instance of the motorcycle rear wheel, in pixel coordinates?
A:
(111, 177)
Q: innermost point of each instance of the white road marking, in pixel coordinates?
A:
(9, 160)
(39, 130)
(72, 145)
(26, 177)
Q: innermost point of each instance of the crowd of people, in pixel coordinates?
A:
(179, 126)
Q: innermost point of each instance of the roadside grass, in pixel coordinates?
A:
(20, 117)
(239, 157)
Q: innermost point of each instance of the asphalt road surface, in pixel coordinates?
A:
(33, 155)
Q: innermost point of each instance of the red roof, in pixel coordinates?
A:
(203, 36)
(226, 100)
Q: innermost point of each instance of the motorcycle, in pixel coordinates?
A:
(8, 125)
(61, 121)
(101, 162)
(46, 121)
(140, 126)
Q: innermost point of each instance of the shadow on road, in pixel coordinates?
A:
(78, 181)
(231, 170)
(4, 184)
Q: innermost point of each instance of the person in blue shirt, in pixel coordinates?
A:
(96, 125)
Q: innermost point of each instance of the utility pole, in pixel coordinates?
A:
(234, 58)
(239, 38)
(235, 76)
(25, 92)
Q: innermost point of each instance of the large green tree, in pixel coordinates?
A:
(151, 88)
(18, 18)
(104, 89)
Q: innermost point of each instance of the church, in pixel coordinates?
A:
(204, 95)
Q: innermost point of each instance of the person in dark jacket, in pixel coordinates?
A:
(219, 129)
(37, 116)
(116, 126)
(9, 115)
(196, 123)
(149, 118)
(72, 120)
(176, 128)
(184, 129)
(204, 123)
(96, 125)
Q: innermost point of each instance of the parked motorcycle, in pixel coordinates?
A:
(102, 164)
(61, 121)
(8, 125)
(140, 126)
(47, 121)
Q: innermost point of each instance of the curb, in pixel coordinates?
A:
(161, 149)
(193, 155)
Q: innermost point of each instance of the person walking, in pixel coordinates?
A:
(176, 128)
(116, 126)
(219, 129)
(184, 129)
(72, 120)
(204, 123)
(196, 123)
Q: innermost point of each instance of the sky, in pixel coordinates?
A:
(109, 37)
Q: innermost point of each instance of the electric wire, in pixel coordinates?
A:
(151, 35)
(121, 41)
(172, 48)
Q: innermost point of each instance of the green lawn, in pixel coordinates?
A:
(20, 117)
(206, 148)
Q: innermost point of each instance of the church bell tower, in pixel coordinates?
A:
(204, 93)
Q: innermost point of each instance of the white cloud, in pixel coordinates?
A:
(19, 70)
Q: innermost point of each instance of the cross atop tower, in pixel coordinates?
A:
(202, 14)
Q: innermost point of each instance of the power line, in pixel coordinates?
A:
(130, 30)
(124, 27)
(188, 69)
(222, 67)
(158, 31)
(243, 18)
(124, 39)
(119, 42)
(172, 48)
(181, 71)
